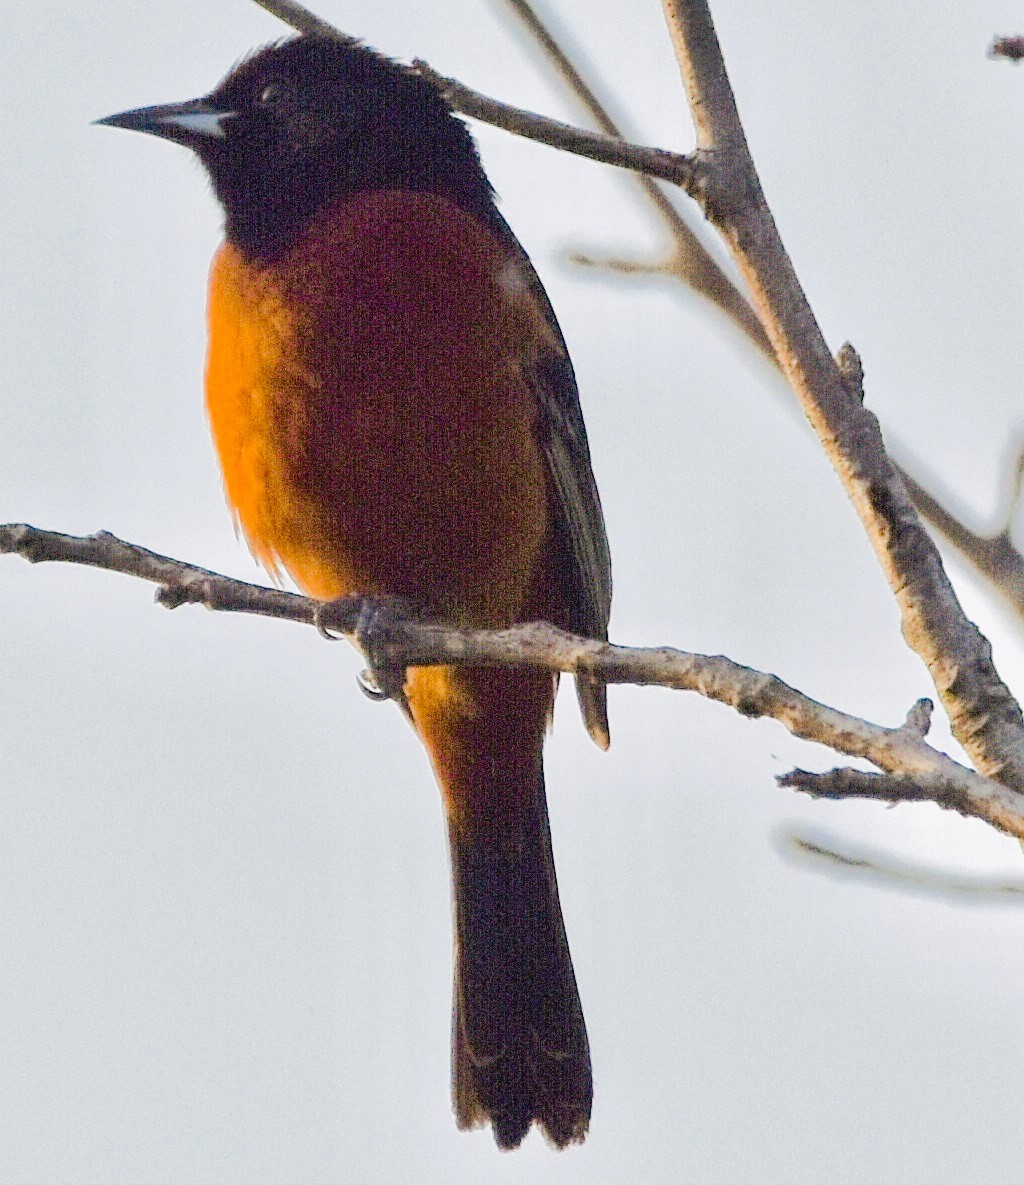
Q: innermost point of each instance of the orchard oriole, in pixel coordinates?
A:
(395, 413)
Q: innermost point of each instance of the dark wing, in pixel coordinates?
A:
(584, 561)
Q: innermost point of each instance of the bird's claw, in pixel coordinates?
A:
(323, 630)
(377, 620)
(384, 677)
(368, 686)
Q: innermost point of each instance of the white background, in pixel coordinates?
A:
(224, 947)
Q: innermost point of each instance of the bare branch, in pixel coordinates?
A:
(609, 150)
(624, 267)
(922, 771)
(180, 583)
(985, 717)
(944, 788)
(858, 783)
(995, 557)
(919, 718)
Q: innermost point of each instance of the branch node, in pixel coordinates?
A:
(852, 369)
(171, 596)
(919, 718)
(396, 635)
(202, 590)
(427, 72)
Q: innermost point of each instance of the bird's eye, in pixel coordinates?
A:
(273, 95)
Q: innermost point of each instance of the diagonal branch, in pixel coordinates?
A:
(923, 773)
(994, 557)
(984, 716)
(675, 167)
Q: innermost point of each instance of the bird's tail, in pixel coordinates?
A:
(520, 1053)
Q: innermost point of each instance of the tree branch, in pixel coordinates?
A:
(994, 557)
(858, 783)
(920, 772)
(674, 167)
(299, 17)
(984, 716)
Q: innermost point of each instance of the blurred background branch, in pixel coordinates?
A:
(837, 856)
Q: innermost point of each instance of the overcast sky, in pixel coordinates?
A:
(224, 916)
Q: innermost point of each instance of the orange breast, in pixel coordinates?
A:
(369, 408)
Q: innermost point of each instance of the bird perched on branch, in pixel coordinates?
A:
(395, 413)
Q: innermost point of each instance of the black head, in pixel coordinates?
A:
(310, 120)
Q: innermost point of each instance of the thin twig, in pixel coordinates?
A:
(609, 150)
(845, 782)
(180, 583)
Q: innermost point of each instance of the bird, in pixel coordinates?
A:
(395, 414)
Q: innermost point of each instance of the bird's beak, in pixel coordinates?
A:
(190, 123)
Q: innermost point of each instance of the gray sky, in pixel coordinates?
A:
(224, 930)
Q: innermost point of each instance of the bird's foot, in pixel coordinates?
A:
(374, 623)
